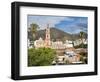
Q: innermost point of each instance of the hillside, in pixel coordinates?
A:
(55, 34)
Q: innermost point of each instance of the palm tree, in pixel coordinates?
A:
(81, 37)
(33, 29)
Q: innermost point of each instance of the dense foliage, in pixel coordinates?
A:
(40, 56)
(81, 46)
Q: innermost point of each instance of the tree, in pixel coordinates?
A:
(64, 39)
(83, 57)
(81, 37)
(34, 28)
(41, 56)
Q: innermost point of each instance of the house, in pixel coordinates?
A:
(68, 44)
(58, 45)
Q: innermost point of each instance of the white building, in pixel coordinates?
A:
(58, 45)
(68, 44)
(79, 41)
(39, 43)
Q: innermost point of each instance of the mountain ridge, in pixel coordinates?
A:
(55, 34)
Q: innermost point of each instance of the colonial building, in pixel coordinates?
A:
(39, 43)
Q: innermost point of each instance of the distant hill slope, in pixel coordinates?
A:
(55, 34)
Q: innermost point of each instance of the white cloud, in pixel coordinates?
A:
(42, 21)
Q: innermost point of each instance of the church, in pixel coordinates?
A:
(44, 43)
(47, 43)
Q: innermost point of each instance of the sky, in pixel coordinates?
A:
(67, 24)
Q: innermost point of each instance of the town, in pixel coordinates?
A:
(67, 52)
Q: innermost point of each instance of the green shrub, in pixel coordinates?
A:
(41, 56)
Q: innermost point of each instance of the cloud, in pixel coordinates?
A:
(42, 21)
(67, 24)
(75, 25)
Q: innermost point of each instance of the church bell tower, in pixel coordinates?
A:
(47, 36)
